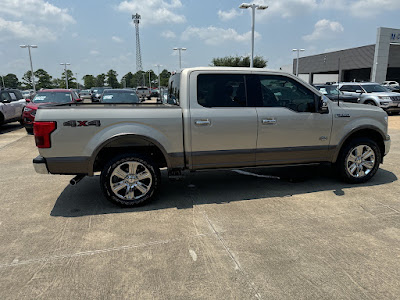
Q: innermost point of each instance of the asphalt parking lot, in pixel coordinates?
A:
(213, 235)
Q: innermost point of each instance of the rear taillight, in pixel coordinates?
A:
(42, 131)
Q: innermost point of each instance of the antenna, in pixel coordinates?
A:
(338, 94)
(136, 19)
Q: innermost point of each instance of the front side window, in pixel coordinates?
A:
(281, 91)
(173, 89)
(5, 96)
(221, 90)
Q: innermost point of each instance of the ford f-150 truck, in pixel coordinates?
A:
(214, 118)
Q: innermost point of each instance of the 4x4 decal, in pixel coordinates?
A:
(74, 123)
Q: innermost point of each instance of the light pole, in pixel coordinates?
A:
(66, 74)
(30, 59)
(253, 16)
(159, 80)
(2, 79)
(180, 49)
(77, 83)
(297, 61)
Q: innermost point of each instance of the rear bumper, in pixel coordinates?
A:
(39, 163)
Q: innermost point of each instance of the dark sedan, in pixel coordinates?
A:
(333, 93)
(115, 96)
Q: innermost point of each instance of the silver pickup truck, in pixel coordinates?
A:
(213, 118)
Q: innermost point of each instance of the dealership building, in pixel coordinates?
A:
(376, 63)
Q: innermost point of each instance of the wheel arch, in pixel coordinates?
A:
(128, 143)
(365, 131)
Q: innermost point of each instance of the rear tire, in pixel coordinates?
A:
(359, 160)
(370, 102)
(130, 180)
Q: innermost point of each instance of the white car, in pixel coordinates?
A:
(12, 104)
(390, 83)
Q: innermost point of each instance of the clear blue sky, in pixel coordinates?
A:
(95, 36)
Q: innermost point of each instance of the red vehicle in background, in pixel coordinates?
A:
(46, 97)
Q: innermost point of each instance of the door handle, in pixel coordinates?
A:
(202, 122)
(269, 121)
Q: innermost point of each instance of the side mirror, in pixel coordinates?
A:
(359, 91)
(323, 107)
(28, 100)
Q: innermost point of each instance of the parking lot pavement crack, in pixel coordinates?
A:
(94, 252)
(388, 207)
(232, 257)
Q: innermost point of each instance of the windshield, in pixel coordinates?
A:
(373, 88)
(52, 97)
(329, 90)
(120, 97)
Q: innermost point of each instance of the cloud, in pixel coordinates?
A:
(286, 8)
(36, 10)
(228, 15)
(324, 29)
(32, 19)
(20, 30)
(94, 52)
(154, 11)
(362, 8)
(117, 39)
(215, 36)
(168, 34)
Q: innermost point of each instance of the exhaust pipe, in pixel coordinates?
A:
(76, 179)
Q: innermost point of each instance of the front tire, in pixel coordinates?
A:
(359, 160)
(130, 179)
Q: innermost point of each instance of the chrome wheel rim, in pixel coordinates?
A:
(130, 180)
(360, 161)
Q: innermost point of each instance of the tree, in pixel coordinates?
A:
(57, 82)
(27, 80)
(127, 80)
(89, 81)
(239, 61)
(71, 78)
(43, 79)
(11, 81)
(164, 77)
(100, 79)
(112, 79)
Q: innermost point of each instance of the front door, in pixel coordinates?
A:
(223, 127)
(8, 108)
(290, 130)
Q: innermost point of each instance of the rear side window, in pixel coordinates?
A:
(221, 90)
(5, 96)
(173, 89)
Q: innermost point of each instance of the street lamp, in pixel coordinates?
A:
(180, 58)
(297, 62)
(66, 74)
(159, 80)
(253, 16)
(30, 59)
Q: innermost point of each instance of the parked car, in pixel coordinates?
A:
(373, 94)
(12, 104)
(46, 97)
(143, 92)
(154, 93)
(85, 94)
(222, 118)
(334, 94)
(395, 89)
(28, 94)
(97, 92)
(390, 83)
(119, 96)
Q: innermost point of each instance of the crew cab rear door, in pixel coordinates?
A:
(223, 127)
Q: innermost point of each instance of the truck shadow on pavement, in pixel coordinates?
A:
(213, 187)
(6, 128)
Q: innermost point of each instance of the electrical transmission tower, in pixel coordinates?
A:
(139, 67)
